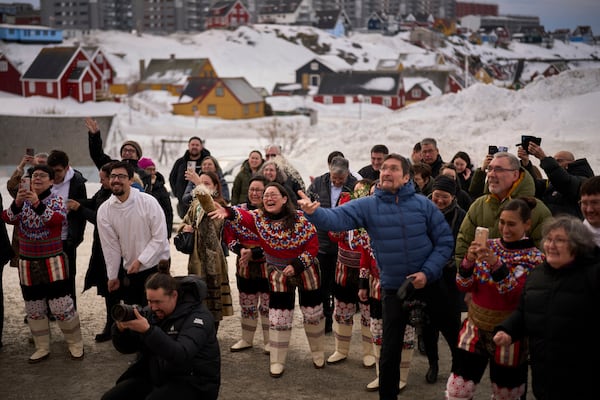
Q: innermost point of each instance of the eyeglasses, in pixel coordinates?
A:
(40, 175)
(255, 190)
(556, 241)
(270, 155)
(271, 195)
(498, 170)
(120, 177)
(128, 150)
(589, 203)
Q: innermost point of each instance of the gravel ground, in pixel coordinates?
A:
(245, 375)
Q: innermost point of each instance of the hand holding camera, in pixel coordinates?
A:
(128, 317)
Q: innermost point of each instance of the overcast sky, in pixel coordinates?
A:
(553, 13)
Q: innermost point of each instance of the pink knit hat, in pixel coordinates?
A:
(145, 162)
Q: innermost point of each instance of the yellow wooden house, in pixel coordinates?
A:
(227, 98)
(172, 74)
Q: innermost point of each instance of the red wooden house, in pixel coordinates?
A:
(61, 72)
(227, 14)
(107, 71)
(385, 88)
(10, 77)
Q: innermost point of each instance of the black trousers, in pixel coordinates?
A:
(142, 388)
(327, 263)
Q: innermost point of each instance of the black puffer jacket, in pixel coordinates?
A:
(561, 191)
(558, 312)
(182, 347)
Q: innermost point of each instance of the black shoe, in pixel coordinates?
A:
(103, 337)
(432, 374)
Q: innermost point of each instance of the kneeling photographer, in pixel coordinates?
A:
(175, 336)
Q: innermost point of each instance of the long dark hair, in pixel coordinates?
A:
(218, 193)
(288, 211)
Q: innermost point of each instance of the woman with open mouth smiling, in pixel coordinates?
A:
(290, 244)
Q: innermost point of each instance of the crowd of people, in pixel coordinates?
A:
(409, 243)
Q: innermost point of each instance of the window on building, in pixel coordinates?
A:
(367, 99)
(3, 66)
(31, 87)
(327, 100)
(99, 59)
(246, 109)
(315, 80)
(219, 91)
(387, 101)
(212, 109)
(256, 108)
(314, 66)
(87, 87)
(416, 93)
(49, 87)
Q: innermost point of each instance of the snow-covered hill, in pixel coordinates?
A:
(266, 54)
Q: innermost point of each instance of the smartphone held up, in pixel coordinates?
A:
(481, 235)
(25, 183)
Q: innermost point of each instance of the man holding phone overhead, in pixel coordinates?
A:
(560, 192)
(506, 179)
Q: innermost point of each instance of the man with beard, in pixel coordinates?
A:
(131, 151)
(196, 153)
(506, 180)
(131, 225)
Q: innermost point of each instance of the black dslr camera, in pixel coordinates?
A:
(123, 312)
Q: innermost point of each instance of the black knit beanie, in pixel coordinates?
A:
(445, 183)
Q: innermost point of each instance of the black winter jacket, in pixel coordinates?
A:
(321, 186)
(558, 312)
(560, 192)
(182, 347)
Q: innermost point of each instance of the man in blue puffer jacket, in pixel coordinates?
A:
(409, 237)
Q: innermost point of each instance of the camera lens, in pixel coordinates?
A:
(122, 312)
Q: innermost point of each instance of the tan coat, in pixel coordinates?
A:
(208, 260)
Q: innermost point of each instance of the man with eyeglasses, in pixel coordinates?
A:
(560, 192)
(506, 179)
(409, 238)
(328, 187)
(130, 151)
(131, 225)
(590, 206)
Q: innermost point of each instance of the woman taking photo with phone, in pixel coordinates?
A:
(38, 216)
(494, 273)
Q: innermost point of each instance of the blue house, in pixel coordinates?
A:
(30, 34)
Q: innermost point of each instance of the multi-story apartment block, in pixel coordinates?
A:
(155, 16)
(467, 8)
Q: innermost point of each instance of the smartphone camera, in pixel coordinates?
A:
(492, 150)
(526, 139)
(29, 151)
(25, 183)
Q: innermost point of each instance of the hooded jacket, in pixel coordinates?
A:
(181, 347)
(408, 233)
(485, 211)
